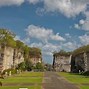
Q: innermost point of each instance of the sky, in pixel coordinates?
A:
(51, 25)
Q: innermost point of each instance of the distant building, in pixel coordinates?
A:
(61, 62)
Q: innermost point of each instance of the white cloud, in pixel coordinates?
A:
(57, 37)
(47, 48)
(43, 34)
(17, 38)
(82, 21)
(33, 1)
(76, 26)
(26, 40)
(51, 47)
(83, 24)
(84, 39)
(69, 8)
(11, 2)
(69, 46)
(68, 35)
(39, 45)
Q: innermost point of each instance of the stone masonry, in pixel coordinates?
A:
(62, 63)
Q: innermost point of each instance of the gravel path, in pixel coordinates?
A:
(54, 81)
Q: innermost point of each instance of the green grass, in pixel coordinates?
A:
(25, 77)
(22, 80)
(77, 79)
(30, 87)
(84, 87)
(31, 74)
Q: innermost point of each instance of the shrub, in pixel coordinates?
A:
(22, 66)
(13, 71)
(39, 67)
(86, 73)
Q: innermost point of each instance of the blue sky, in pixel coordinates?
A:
(51, 25)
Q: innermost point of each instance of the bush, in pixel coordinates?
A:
(22, 66)
(86, 73)
(29, 65)
(39, 67)
(13, 71)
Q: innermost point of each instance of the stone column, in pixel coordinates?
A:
(85, 61)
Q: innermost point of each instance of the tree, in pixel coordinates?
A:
(29, 65)
(35, 52)
(26, 52)
(48, 67)
(39, 67)
(19, 45)
(62, 52)
(7, 38)
(22, 66)
(81, 50)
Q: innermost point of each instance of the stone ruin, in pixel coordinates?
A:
(80, 62)
(62, 62)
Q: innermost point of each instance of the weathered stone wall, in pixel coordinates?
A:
(62, 63)
(10, 58)
(18, 57)
(1, 58)
(35, 60)
(87, 62)
(80, 62)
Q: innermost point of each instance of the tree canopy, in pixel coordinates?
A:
(81, 50)
(62, 53)
(35, 52)
(7, 38)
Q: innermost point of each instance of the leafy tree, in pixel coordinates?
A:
(48, 67)
(7, 38)
(22, 66)
(35, 52)
(19, 45)
(26, 52)
(39, 67)
(62, 52)
(29, 65)
(81, 50)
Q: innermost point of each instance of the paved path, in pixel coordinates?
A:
(54, 81)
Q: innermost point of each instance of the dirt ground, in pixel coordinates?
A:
(54, 81)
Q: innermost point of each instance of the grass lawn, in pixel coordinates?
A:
(17, 87)
(84, 87)
(26, 77)
(77, 79)
(32, 74)
(22, 80)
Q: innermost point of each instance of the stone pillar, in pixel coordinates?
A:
(85, 61)
(53, 61)
(10, 73)
(6, 74)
